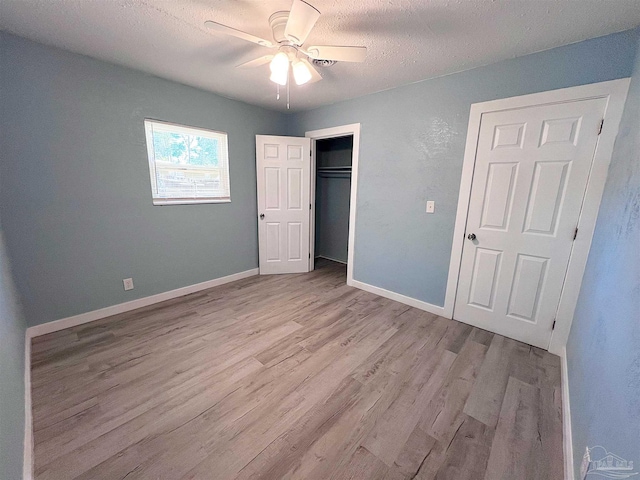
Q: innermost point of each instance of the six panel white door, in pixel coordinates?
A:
(283, 171)
(531, 171)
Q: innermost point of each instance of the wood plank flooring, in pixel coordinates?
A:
(292, 377)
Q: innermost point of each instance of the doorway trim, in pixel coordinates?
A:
(615, 91)
(334, 132)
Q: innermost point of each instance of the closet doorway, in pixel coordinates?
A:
(332, 194)
(334, 162)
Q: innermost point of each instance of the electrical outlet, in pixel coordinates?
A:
(431, 206)
(128, 283)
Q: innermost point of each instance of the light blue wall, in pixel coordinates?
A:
(603, 352)
(412, 147)
(12, 328)
(76, 198)
(12, 340)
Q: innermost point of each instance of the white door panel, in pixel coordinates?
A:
(531, 171)
(283, 170)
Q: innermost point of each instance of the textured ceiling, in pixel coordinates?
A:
(407, 41)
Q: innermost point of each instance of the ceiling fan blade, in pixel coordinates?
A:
(302, 18)
(218, 27)
(256, 62)
(315, 76)
(341, 54)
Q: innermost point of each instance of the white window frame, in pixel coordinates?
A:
(185, 129)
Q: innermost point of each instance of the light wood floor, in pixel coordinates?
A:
(294, 376)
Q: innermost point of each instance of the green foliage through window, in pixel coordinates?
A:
(184, 149)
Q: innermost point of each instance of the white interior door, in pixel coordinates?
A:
(284, 181)
(531, 171)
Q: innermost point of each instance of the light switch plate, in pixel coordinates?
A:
(431, 206)
(128, 283)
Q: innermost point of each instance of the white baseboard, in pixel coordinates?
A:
(27, 462)
(566, 419)
(87, 317)
(332, 259)
(398, 297)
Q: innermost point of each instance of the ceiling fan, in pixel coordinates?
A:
(290, 30)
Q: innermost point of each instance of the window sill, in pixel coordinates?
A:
(188, 201)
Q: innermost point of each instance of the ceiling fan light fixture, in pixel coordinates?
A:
(279, 78)
(301, 72)
(290, 29)
(279, 68)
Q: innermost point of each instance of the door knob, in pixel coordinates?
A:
(262, 216)
(471, 236)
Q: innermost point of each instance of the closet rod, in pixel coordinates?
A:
(334, 169)
(334, 174)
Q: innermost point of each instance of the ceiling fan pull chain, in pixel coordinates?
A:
(277, 91)
(288, 90)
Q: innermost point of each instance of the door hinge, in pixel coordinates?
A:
(309, 206)
(601, 125)
(575, 233)
(309, 254)
(311, 153)
(553, 327)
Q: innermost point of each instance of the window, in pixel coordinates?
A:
(186, 164)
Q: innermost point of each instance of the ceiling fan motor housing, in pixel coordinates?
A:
(278, 22)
